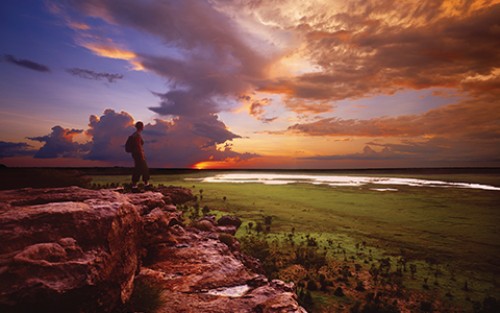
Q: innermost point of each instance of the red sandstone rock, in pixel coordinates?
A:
(60, 255)
(175, 195)
(201, 274)
(77, 250)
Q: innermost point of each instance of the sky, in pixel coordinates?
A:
(255, 84)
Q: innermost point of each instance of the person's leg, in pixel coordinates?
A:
(145, 173)
(136, 174)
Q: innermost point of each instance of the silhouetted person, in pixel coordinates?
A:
(140, 165)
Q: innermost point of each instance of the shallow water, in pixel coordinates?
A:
(339, 180)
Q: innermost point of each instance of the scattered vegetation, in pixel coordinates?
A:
(351, 249)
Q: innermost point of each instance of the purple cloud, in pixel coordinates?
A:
(26, 63)
(11, 149)
(89, 74)
(59, 143)
(180, 142)
(216, 62)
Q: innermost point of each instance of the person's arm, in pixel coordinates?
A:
(139, 146)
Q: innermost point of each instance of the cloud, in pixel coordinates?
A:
(26, 63)
(113, 51)
(371, 47)
(184, 142)
(213, 64)
(89, 74)
(367, 154)
(59, 143)
(462, 134)
(305, 106)
(179, 142)
(427, 152)
(78, 26)
(474, 118)
(348, 49)
(256, 108)
(108, 134)
(218, 50)
(12, 149)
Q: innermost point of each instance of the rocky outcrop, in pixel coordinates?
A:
(199, 273)
(67, 249)
(78, 250)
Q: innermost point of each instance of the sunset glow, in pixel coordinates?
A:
(252, 84)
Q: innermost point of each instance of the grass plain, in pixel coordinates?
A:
(453, 229)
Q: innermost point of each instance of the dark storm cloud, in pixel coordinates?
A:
(89, 74)
(59, 143)
(26, 63)
(12, 149)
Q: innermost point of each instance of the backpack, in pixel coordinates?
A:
(129, 145)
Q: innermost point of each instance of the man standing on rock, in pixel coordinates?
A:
(134, 145)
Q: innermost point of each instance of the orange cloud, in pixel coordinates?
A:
(384, 46)
(113, 52)
(303, 106)
(475, 118)
(460, 8)
(78, 26)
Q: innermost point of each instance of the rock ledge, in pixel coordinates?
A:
(79, 250)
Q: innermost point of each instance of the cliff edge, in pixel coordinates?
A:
(78, 250)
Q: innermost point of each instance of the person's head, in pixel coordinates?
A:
(139, 126)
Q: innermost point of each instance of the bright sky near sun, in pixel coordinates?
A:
(251, 84)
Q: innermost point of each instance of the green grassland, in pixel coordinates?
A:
(451, 231)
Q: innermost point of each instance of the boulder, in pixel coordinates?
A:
(67, 249)
(175, 195)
